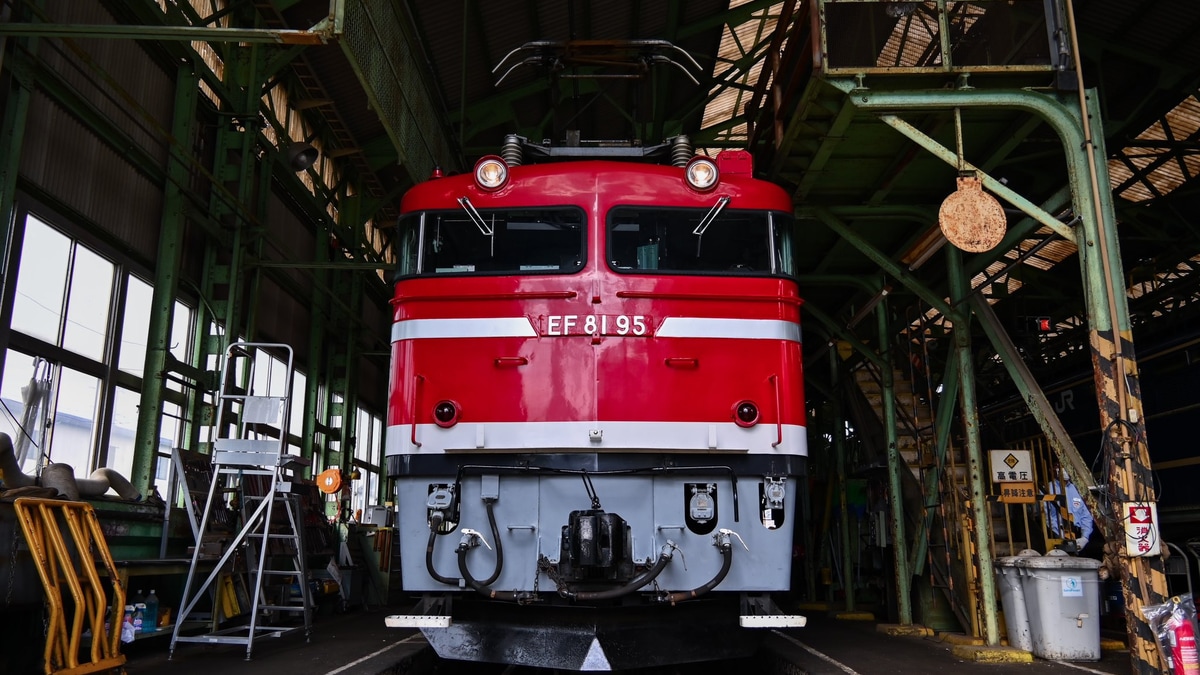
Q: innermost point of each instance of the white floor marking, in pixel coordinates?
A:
(373, 654)
(837, 664)
(1083, 668)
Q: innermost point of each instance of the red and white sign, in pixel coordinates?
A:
(1141, 529)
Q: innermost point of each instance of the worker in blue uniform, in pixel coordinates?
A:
(1081, 518)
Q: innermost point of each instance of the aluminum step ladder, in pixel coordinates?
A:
(252, 463)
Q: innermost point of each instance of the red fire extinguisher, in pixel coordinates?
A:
(1184, 659)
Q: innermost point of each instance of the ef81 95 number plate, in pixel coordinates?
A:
(636, 325)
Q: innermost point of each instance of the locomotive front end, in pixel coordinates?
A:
(596, 425)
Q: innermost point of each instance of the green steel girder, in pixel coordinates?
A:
(798, 120)
(729, 78)
(946, 155)
(842, 333)
(829, 142)
(282, 59)
(1041, 408)
(321, 33)
(732, 17)
(889, 266)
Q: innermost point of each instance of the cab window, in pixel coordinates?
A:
(500, 241)
(696, 241)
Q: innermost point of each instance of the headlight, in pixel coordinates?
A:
(491, 173)
(702, 174)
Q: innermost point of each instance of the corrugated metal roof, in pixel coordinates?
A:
(1160, 154)
(736, 42)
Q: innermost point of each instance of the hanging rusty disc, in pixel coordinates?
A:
(970, 218)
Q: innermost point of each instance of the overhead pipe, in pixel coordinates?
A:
(62, 478)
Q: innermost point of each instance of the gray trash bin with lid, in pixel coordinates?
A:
(1012, 599)
(1062, 598)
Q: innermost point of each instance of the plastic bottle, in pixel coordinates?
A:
(127, 625)
(139, 616)
(150, 620)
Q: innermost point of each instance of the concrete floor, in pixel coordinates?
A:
(828, 646)
(355, 643)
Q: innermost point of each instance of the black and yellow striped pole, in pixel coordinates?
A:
(1118, 392)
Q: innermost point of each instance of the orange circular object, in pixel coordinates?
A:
(972, 219)
(329, 481)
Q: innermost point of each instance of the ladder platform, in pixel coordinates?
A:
(242, 471)
(263, 473)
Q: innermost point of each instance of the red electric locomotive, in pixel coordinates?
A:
(596, 422)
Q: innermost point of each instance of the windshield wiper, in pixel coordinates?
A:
(473, 214)
(708, 220)
(708, 217)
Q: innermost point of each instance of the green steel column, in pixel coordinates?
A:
(312, 382)
(980, 511)
(350, 373)
(839, 448)
(895, 466)
(166, 284)
(12, 133)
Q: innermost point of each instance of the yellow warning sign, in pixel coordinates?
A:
(1017, 493)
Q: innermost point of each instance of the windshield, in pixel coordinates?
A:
(699, 241)
(500, 241)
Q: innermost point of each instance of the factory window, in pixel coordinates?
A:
(75, 404)
(76, 353)
(24, 393)
(131, 357)
(64, 292)
(368, 444)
